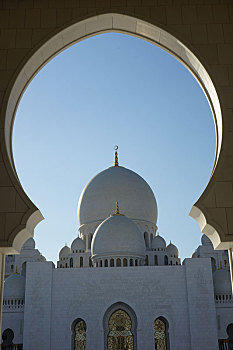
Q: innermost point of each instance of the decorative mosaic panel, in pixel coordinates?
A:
(80, 336)
(120, 336)
(160, 335)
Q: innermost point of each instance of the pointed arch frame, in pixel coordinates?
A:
(125, 307)
(64, 37)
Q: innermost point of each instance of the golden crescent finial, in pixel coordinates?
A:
(116, 156)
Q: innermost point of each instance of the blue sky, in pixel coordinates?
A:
(113, 89)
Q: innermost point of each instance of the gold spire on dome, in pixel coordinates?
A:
(117, 210)
(116, 156)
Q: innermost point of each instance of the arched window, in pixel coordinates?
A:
(81, 261)
(156, 260)
(136, 262)
(23, 270)
(213, 264)
(146, 238)
(112, 263)
(79, 335)
(90, 262)
(125, 263)
(106, 263)
(120, 334)
(230, 332)
(165, 260)
(97, 264)
(118, 262)
(7, 339)
(146, 260)
(161, 334)
(101, 263)
(131, 262)
(89, 240)
(71, 262)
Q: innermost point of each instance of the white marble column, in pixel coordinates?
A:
(231, 267)
(2, 271)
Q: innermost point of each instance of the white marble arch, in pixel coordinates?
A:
(78, 31)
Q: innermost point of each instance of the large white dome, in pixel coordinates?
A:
(117, 183)
(118, 236)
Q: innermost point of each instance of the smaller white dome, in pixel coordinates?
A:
(78, 244)
(118, 236)
(194, 255)
(158, 243)
(222, 282)
(14, 287)
(64, 252)
(172, 250)
(205, 240)
(29, 244)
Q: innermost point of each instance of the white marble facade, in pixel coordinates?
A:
(118, 262)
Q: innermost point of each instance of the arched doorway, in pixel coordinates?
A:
(77, 32)
(120, 328)
(120, 335)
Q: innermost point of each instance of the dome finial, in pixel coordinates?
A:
(117, 212)
(117, 209)
(116, 156)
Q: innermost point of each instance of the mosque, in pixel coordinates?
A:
(119, 286)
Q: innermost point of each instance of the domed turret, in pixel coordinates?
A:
(78, 245)
(158, 243)
(29, 244)
(194, 255)
(14, 287)
(205, 240)
(64, 252)
(222, 282)
(133, 193)
(172, 250)
(118, 236)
